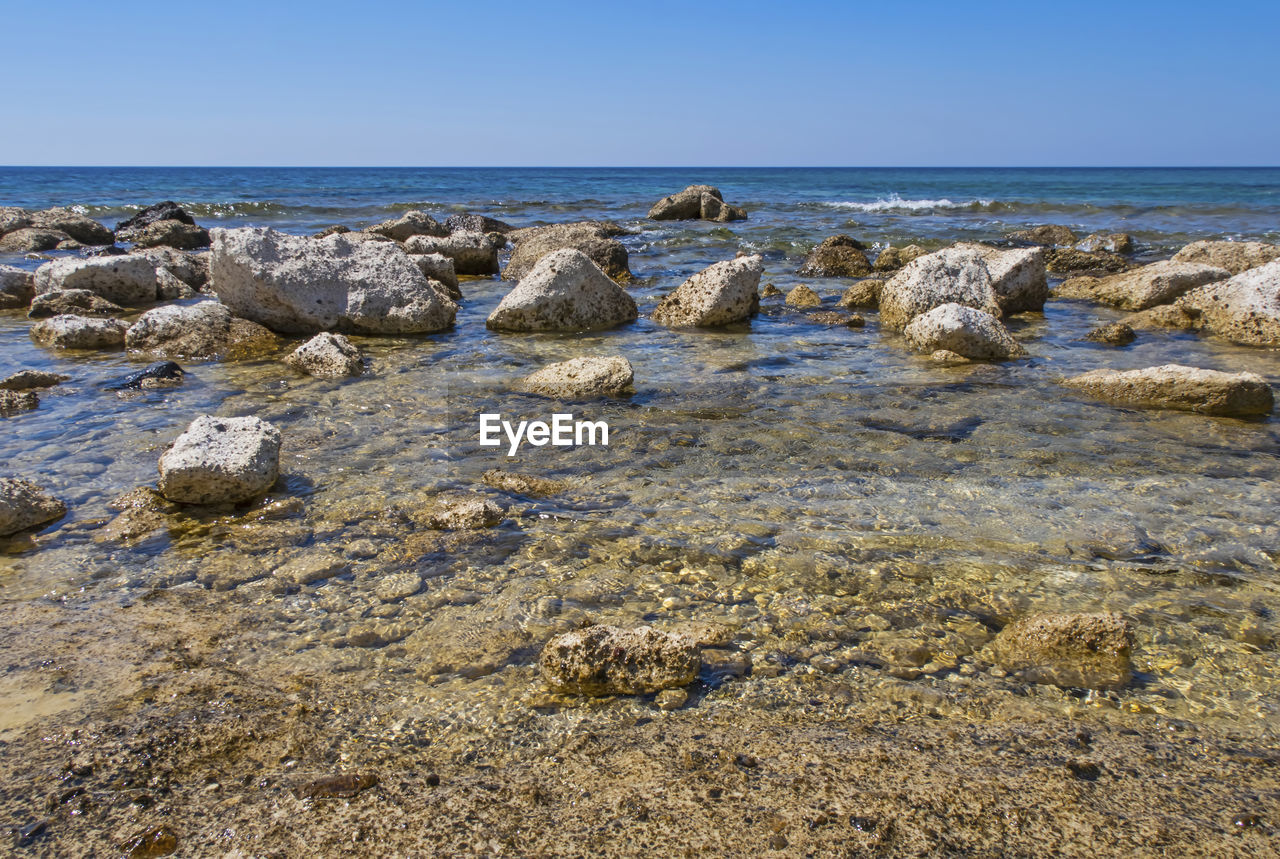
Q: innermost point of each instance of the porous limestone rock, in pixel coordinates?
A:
(327, 355)
(24, 505)
(963, 330)
(721, 294)
(565, 291)
(126, 280)
(1091, 651)
(607, 660)
(951, 275)
(1174, 386)
(79, 332)
(221, 461)
(836, 256)
(582, 377)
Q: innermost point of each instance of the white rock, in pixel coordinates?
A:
(205, 330)
(16, 287)
(297, 285)
(963, 330)
(582, 377)
(951, 275)
(1017, 276)
(439, 268)
(79, 332)
(221, 461)
(1244, 309)
(327, 356)
(472, 253)
(1150, 286)
(1174, 386)
(128, 280)
(721, 294)
(565, 291)
(413, 223)
(1235, 257)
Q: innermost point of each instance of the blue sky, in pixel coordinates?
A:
(549, 83)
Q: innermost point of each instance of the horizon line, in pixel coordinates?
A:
(640, 166)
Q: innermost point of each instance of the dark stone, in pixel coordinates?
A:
(162, 374)
(166, 211)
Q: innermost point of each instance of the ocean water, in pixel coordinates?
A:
(841, 506)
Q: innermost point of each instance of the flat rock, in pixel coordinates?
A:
(24, 505)
(1149, 286)
(565, 291)
(607, 660)
(948, 276)
(126, 280)
(1174, 386)
(1046, 234)
(590, 237)
(1244, 309)
(721, 294)
(77, 302)
(1017, 276)
(413, 223)
(1235, 257)
(696, 202)
(205, 330)
(79, 332)
(297, 285)
(328, 356)
(221, 461)
(582, 377)
(1090, 651)
(31, 380)
(31, 240)
(472, 253)
(836, 256)
(312, 567)
(963, 330)
(170, 234)
(17, 286)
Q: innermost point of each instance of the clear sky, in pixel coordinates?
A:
(645, 83)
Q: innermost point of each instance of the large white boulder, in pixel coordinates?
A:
(1235, 257)
(297, 285)
(128, 280)
(1244, 309)
(79, 332)
(951, 275)
(721, 294)
(963, 330)
(1174, 386)
(565, 291)
(221, 461)
(1017, 276)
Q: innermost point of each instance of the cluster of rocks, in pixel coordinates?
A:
(697, 202)
(163, 225)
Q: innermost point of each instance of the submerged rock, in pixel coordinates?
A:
(413, 223)
(297, 285)
(1244, 309)
(863, 294)
(472, 253)
(161, 374)
(464, 512)
(221, 461)
(837, 256)
(523, 484)
(721, 294)
(79, 332)
(892, 259)
(125, 280)
(24, 505)
(696, 202)
(1046, 234)
(77, 302)
(607, 660)
(1115, 334)
(964, 331)
(803, 296)
(1151, 285)
(1090, 651)
(1235, 257)
(591, 237)
(30, 380)
(1017, 276)
(565, 291)
(1174, 386)
(17, 286)
(948, 276)
(202, 331)
(327, 356)
(17, 401)
(582, 377)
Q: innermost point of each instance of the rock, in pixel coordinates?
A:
(17, 286)
(963, 330)
(837, 256)
(523, 484)
(69, 245)
(409, 224)
(17, 401)
(126, 280)
(202, 331)
(30, 380)
(336, 229)
(221, 461)
(604, 229)
(439, 268)
(892, 259)
(397, 586)
(1047, 234)
(464, 512)
(803, 296)
(1151, 285)
(171, 234)
(565, 291)
(1235, 257)
(1089, 651)
(469, 223)
(864, 293)
(312, 567)
(13, 218)
(103, 251)
(31, 240)
(1165, 316)
(721, 294)
(164, 211)
(75, 225)
(947, 358)
(472, 253)
(671, 699)
(694, 202)
(606, 660)
(586, 236)
(1244, 309)
(24, 506)
(171, 288)
(1071, 261)
(190, 268)
(357, 237)
(80, 302)
(297, 285)
(1017, 276)
(1173, 386)
(327, 356)
(582, 377)
(1115, 334)
(161, 374)
(832, 317)
(769, 291)
(1112, 243)
(79, 332)
(951, 275)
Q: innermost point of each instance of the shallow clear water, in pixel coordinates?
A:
(838, 503)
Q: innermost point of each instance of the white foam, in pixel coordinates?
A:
(896, 203)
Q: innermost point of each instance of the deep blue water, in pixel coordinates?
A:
(1162, 206)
